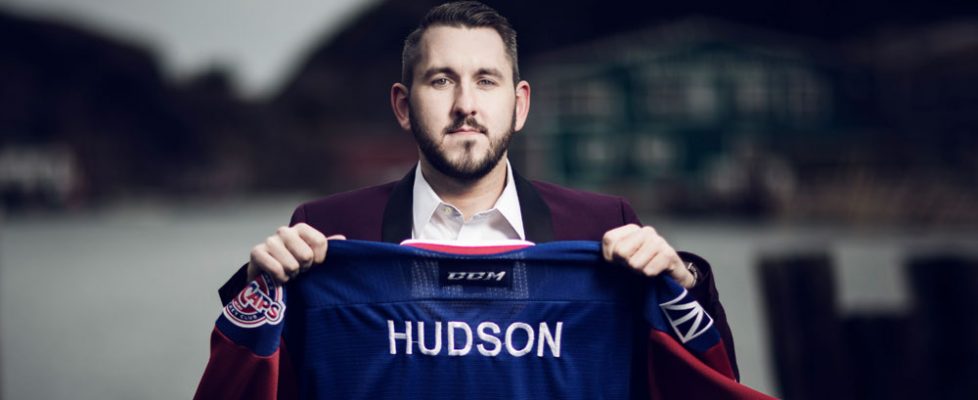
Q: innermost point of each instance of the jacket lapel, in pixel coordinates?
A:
(396, 226)
(537, 224)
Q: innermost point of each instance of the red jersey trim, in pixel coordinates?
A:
(489, 247)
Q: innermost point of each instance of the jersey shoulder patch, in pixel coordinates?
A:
(261, 302)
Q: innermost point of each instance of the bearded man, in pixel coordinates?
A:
(462, 98)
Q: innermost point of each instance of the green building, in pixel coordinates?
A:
(697, 112)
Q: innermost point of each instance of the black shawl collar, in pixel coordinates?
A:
(398, 212)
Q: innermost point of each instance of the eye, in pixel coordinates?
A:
(487, 82)
(440, 82)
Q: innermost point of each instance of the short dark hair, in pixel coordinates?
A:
(469, 14)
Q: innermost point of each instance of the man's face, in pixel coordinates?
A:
(462, 102)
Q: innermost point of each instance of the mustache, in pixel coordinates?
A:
(460, 121)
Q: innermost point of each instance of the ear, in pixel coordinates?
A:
(522, 104)
(401, 105)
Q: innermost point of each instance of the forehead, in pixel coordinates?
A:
(462, 49)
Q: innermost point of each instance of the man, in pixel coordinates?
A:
(461, 97)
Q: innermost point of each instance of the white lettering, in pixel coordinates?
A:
(552, 341)
(509, 339)
(489, 344)
(498, 276)
(455, 276)
(393, 335)
(477, 276)
(497, 346)
(452, 350)
(421, 345)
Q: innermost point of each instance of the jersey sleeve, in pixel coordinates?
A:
(705, 291)
(248, 358)
(686, 356)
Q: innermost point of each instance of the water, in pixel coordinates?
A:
(119, 303)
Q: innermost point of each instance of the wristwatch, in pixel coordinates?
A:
(691, 267)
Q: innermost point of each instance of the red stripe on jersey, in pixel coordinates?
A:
(452, 248)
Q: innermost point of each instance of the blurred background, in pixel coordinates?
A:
(820, 153)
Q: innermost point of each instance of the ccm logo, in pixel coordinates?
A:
(477, 276)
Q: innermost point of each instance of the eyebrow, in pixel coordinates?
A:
(451, 72)
(435, 71)
(490, 72)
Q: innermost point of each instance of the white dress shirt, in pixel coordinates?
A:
(435, 219)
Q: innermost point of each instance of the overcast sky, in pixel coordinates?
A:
(259, 40)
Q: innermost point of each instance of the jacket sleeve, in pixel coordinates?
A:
(238, 281)
(248, 359)
(704, 291)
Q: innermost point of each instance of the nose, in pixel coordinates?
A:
(465, 102)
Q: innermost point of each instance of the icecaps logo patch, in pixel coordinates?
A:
(259, 303)
(688, 318)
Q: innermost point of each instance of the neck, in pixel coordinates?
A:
(469, 197)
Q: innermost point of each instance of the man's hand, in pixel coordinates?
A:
(289, 252)
(643, 250)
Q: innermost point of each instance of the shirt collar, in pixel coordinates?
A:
(426, 202)
(508, 204)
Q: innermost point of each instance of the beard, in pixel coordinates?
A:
(468, 167)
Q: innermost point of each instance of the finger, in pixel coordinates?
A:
(276, 248)
(326, 244)
(296, 246)
(677, 268)
(264, 262)
(627, 246)
(326, 247)
(611, 238)
(314, 239)
(645, 254)
(657, 265)
(682, 275)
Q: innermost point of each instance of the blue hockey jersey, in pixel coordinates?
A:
(383, 321)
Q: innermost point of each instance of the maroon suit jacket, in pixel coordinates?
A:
(550, 212)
